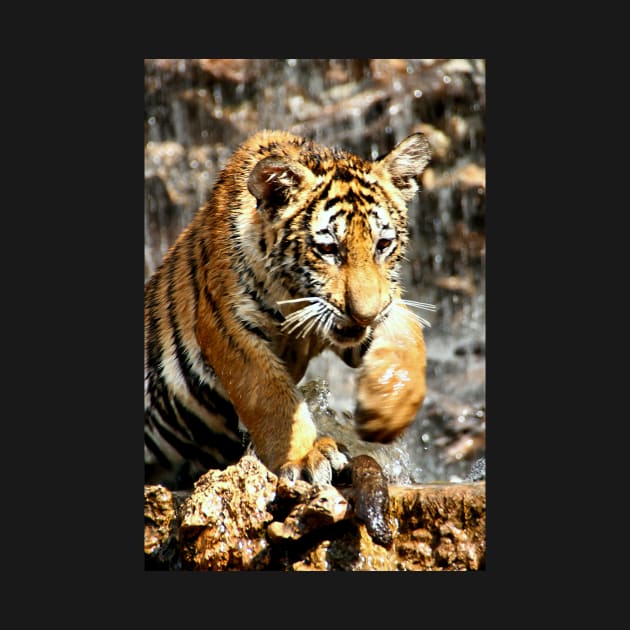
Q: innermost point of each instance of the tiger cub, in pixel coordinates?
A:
(297, 250)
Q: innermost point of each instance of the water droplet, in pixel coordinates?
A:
(446, 79)
(417, 93)
(151, 120)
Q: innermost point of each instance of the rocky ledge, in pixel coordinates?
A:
(243, 518)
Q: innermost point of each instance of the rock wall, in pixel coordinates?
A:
(241, 519)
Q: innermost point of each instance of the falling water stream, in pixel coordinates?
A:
(198, 110)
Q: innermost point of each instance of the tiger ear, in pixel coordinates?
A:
(405, 162)
(275, 182)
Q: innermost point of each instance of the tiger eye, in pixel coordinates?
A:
(328, 248)
(383, 244)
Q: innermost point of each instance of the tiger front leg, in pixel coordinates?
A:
(281, 428)
(287, 444)
(266, 400)
(391, 384)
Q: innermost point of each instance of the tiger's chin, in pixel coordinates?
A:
(346, 336)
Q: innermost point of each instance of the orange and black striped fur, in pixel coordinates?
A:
(297, 250)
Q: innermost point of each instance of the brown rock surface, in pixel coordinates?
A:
(240, 519)
(224, 521)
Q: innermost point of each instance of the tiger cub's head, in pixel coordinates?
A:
(334, 230)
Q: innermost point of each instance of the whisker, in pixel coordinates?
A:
(308, 316)
(325, 323)
(422, 305)
(302, 299)
(387, 325)
(291, 324)
(315, 319)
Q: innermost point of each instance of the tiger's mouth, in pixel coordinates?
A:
(321, 318)
(348, 335)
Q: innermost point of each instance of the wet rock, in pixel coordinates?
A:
(224, 521)
(371, 498)
(463, 177)
(161, 527)
(317, 508)
(350, 549)
(465, 241)
(461, 426)
(159, 512)
(442, 526)
(243, 519)
(235, 70)
(456, 284)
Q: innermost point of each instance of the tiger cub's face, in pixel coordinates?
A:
(334, 233)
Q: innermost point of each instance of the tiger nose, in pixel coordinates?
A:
(362, 311)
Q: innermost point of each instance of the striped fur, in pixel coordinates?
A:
(298, 249)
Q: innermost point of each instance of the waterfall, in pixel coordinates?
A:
(198, 110)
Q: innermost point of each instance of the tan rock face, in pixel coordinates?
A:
(224, 521)
(440, 526)
(318, 507)
(242, 519)
(159, 512)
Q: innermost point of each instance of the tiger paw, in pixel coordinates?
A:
(390, 390)
(325, 458)
(392, 378)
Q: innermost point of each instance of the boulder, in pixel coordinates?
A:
(242, 518)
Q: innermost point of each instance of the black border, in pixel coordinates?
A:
(100, 385)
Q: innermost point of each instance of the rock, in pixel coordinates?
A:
(442, 527)
(468, 176)
(352, 549)
(457, 284)
(241, 518)
(235, 70)
(161, 528)
(321, 506)
(466, 241)
(159, 512)
(371, 498)
(224, 521)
